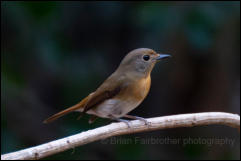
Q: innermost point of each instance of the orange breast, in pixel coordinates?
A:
(142, 88)
(136, 91)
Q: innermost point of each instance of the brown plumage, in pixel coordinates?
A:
(121, 92)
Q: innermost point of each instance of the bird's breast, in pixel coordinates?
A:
(141, 89)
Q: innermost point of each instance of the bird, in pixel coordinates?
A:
(122, 91)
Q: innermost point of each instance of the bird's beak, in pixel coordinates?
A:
(162, 56)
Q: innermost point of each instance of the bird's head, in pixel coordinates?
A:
(140, 62)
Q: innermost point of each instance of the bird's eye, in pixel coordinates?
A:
(146, 57)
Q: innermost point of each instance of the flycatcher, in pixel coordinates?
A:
(122, 91)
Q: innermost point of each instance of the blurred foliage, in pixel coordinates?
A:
(55, 53)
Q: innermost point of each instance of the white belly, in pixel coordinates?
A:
(114, 107)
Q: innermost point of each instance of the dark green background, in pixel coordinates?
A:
(53, 54)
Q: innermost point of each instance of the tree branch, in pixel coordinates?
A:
(120, 128)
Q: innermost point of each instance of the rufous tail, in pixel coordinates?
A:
(66, 111)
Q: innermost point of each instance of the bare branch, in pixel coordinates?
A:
(115, 129)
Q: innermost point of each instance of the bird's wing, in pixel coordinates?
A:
(110, 88)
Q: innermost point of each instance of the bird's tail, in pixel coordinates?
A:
(78, 106)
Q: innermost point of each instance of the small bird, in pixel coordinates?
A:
(122, 91)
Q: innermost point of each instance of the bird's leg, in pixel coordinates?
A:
(137, 118)
(92, 119)
(81, 115)
(121, 120)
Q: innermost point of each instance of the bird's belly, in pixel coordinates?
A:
(114, 107)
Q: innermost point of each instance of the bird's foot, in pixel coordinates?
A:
(138, 118)
(122, 120)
